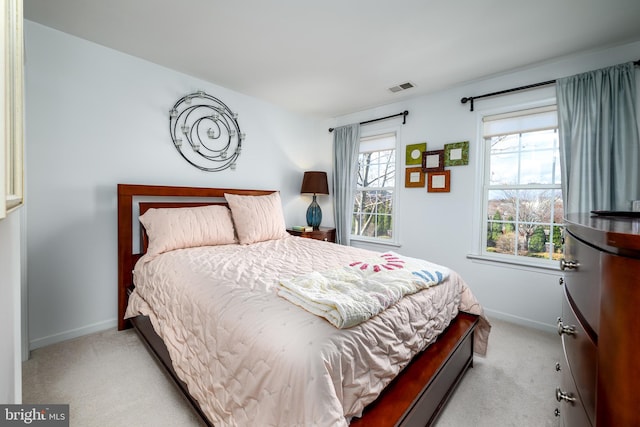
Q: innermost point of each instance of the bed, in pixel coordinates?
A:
(215, 317)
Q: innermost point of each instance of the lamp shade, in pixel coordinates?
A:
(314, 182)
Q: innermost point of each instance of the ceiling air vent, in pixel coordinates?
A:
(400, 87)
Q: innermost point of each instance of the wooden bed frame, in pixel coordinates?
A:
(415, 398)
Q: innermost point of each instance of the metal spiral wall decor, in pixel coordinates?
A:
(205, 132)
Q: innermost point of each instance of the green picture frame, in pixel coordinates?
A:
(456, 153)
(413, 155)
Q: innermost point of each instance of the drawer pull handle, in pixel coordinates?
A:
(568, 265)
(567, 397)
(565, 329)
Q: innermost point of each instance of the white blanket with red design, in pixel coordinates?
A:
(349, 295)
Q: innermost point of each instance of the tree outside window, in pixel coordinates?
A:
(373, 209)
(524, 210)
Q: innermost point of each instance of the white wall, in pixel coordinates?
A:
(440, 226)
(96, 118)
(10, 322)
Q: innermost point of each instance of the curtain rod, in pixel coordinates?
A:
(403, 114)
(515, 89)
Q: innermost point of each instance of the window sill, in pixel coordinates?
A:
(364, 241)
(13, 201)
(521, 264)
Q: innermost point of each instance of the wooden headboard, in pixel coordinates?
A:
(127, 194)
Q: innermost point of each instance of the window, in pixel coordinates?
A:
(11, 109)
(523, 208)
(373, 217)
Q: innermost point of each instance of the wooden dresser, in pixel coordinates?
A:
(600, 323)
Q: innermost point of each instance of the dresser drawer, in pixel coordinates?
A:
(572, 412)
(582, 279)
(582, 356)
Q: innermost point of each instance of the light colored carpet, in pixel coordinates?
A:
(109, 379)
(514, 385)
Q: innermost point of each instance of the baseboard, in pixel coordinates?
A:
(73, 333)
(520, 320)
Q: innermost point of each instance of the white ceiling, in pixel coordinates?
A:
(341, 56)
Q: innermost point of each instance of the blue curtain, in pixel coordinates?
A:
(599, 143)
(346, 145)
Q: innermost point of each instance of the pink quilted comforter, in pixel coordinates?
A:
(251, 358)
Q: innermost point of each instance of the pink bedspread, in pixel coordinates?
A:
(252, 358)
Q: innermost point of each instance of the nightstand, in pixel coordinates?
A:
(328, 234)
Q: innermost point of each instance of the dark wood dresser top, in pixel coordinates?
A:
(616, 234)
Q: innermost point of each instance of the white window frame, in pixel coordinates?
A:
(11, 111)
(478, 251)
(373, 130)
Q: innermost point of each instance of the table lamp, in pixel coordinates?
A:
(314, 182)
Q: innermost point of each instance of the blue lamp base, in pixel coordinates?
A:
(314, 214)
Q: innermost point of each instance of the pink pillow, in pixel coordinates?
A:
(177, 228)
(257, 218)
